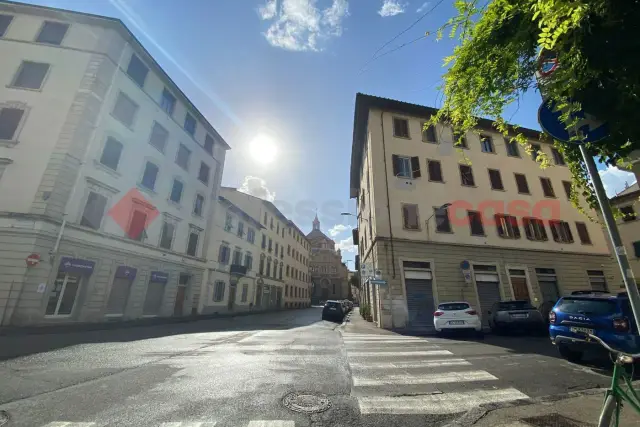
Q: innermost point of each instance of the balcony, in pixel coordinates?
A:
(238, 269)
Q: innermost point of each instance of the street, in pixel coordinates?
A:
(236, 372)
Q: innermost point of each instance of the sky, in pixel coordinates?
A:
(285, 73)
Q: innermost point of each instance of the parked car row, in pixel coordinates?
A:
(335, 310)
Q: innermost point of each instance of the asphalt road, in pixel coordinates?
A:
(235, 372)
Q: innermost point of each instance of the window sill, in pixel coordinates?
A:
(161, 151)
(437, 182)
(411, 229)
(402, 137)
(479, 235)
(445, 232)
(498, 189)
(431, 142)
(106, 169)
(205, 183)
(175, 204)
(527, 194)
(489, 152)
(470, 186)
(8, 142)
(130, 127)
(149, 191)
(24, 88)
(514, 156)
(195, 215)
(550, 197)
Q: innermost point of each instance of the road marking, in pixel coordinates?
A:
(398, 353)
(189, 424)
(277, 347)
(409, 364)
(410, 379)
(445, 403)
(399, 342)
(382, 338)
(272, 423)
(69, 424)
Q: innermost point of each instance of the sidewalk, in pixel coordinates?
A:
(357, 325)
(579, 411)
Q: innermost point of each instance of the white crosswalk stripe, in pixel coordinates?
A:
(382, 364)
(252, 423)
(189, 424)
(69, 424)
(271, 423)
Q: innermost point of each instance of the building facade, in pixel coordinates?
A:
(268, 251)
(109, 174)
(328, 273)
(481, 222)
(627, 201)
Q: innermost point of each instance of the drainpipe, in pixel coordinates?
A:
(386, 180)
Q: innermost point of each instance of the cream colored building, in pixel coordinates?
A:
(328, 272)
(108, 174)
(275, 277)
(427, 218)
(629, 225)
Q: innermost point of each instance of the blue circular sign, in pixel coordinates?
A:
(592, 129)
(465, 265)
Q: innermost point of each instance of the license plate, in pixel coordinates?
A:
(456, 322)
(332, 308)
(581, 330)
(520, 315)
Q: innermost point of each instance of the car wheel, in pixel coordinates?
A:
(570, 355)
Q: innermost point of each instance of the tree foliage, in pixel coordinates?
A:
(495, 62)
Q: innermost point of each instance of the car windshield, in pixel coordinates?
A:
(587, 306)
(332, 304)
(451, 306)
(516, 305)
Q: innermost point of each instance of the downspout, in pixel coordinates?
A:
(386, 180)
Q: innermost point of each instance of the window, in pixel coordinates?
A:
(248, 261)
(223, 254)
(475, 223)
(93, 210)
(137, 70)
(567, 189)
(265, 218)
(167, 102)
(486, 144)
(190, 124)
(429, 134)
(557, 157)
(137, 225)
(628, 213)
(406, 167)
(277, 228)
(280, 274)
(636, 248)
(400, 128)
(203, 174)
(535, 149)
(496, 179)
(270, 244)
(512, 148)
(149, 176)
(459, 139)
(9, 121)
(52, 32)
(269, 267)
(240, 232)
(521, 183)
(276, 249)
(597, 280)
(271, 223)
(208, 144)
(466, 176)
(245, 292)
(251, 235)
(5, 20)
(443, 225)
(561, 231)
(218, 290)
(166, 234)
(282, 251)
(534, 229)
(182, 158)
(198, 205)
(261, 264)
(434, 168)
(547, 188)
(31, 75)
(507, 226)
(176, 191)
(125, 110)
(159, 137)
(237, 257)
(288, 249)
(192, 243)
(583, 233)
(228, 222)
(287, 271)
(111, 153)
(410, 219)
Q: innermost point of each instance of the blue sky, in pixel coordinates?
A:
(290, 69)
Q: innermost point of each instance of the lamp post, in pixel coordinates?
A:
(426, 223)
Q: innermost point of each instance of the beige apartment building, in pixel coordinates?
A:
(480, 223)
(627, 201)
(108, 174)
(265, 251)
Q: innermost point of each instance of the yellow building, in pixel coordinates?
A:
(479, 223)
(628, 225)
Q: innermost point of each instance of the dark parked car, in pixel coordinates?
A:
(333, 310)
(515, 315)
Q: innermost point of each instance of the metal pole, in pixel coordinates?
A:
(612, 228)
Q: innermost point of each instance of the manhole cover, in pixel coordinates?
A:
(308, 403)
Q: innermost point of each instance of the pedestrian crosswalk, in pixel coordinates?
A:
(394, 374)
(252, 423)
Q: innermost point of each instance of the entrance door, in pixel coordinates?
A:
(118, 297)
(488, 285)
(179, 304)
(259, 296)
(519, 284)
(232, 297)
(420, 304)
(64, 294)
(279, 298)
(153, 299)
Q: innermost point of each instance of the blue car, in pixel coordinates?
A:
(607, 316)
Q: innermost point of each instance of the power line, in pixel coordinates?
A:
(393, 50)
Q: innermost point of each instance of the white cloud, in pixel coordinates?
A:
(338, 228)
(257, 187)
(424, 7)
(615, 180)
(299, 25)
(391, 8)
(346, 245)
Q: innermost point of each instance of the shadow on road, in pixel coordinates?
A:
(17, 345)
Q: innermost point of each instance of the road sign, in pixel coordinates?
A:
(547, 63)
(377, 282)
(592, 129)
(33, 260)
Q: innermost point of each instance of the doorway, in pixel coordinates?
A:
(64, 294)
(181, 294)
(518, 278)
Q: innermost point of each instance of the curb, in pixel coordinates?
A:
(472, 416)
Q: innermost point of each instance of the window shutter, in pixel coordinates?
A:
(567, 230)
(396, 164)
(554, 231)
(415, 167)
(526, 222)
(636, 248)
(405, 216)
(543, 230)
(435, 171)
(498, 220)
(516, 228)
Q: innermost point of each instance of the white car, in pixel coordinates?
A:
(457, 315)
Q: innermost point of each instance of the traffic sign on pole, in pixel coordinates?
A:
(592, 129)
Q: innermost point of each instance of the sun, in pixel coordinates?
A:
(263, 149)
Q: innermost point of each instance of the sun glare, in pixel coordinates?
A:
(263, 149)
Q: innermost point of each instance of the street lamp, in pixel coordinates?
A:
(426, 223)
(354, 215)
